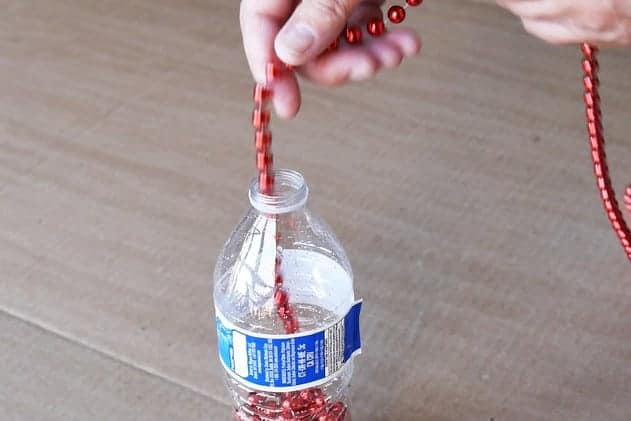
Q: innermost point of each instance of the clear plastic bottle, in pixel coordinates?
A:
(281, 367)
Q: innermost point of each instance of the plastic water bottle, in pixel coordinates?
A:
(286, 314)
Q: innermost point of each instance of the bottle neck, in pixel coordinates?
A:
(290, 193)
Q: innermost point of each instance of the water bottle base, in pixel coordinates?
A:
(325, 403)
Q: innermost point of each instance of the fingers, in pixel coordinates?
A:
(556, 32)
(342, 66)
(359, 63)
(537, 9)
(260, 23)
(312, 27)
(541, 18)
(571, 21)
(406, 39)
(286, 97)
(549, 31)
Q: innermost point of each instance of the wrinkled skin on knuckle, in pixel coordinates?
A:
(596, 21)
(532, 27)
(332, 10)
(603, 24)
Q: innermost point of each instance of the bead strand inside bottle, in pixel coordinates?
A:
(310, 404)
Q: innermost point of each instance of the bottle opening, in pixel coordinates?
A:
(290, 193)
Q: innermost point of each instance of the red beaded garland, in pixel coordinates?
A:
(278, 280)
(396, 14)
(266, 182)
(260, 118)
(293, 406)
(376, 27)
(264, 161)
(597, 143)
(272, 71)
(281, 298)
(261, 94)
(284, 312)
(262, 140)
(291, 325)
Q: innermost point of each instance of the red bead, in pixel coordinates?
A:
(590, 67)
(396, 14)
(272, 72)
(277, 263)
(264, 161)
(591, 114)
(353, 35)
(376, 27)
(262, 139)
(284, 312)
(414, 2)
(334, 45)
(266, 182)
(261, 93)
(337, 407)
(255, 399)
(588, 83)
(297, 404)
(315, 410)
(285, 416)
(281, 298)
(278, 281)
(291, 325)
(588, 50)
(260, 118)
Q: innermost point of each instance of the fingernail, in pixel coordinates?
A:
(296, 39)
(362, 71)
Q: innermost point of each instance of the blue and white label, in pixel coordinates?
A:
(289, 362)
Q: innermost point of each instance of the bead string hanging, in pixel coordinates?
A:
(595, 130)
(313, 404)
(309, 404)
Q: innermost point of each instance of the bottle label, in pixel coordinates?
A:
(284, 363)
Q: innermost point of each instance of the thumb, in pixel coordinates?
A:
(313, 26)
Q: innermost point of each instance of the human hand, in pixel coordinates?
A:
(298, 33)
(575, 21)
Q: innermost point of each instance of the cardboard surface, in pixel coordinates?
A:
(460, 185)
(45, 377)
